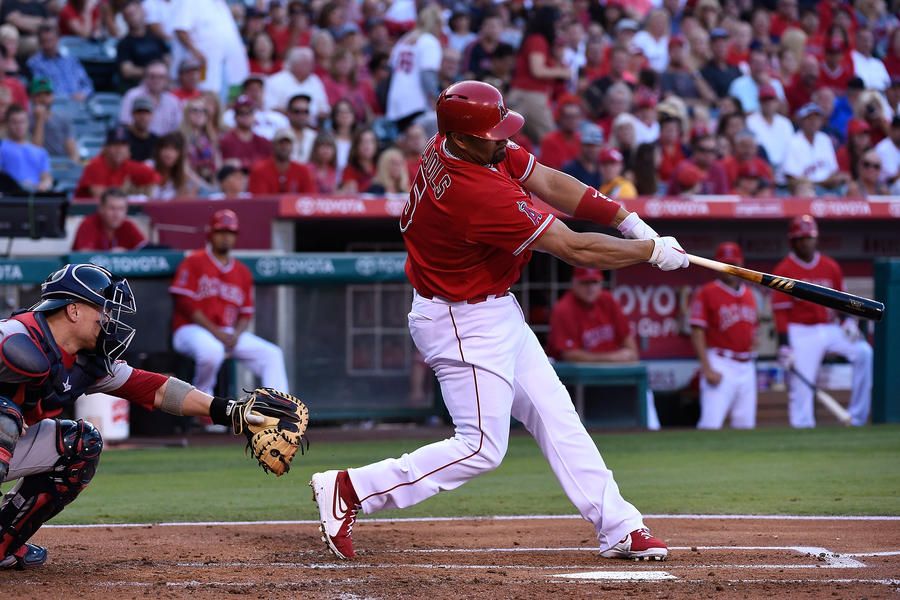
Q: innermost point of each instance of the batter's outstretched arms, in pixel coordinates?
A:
(565, 193)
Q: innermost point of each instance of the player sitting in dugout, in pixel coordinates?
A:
(587, 325)
(66, 345)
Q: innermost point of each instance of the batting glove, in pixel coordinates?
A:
(786, 357)
(634, 228)
(668, 254)
(851, 329)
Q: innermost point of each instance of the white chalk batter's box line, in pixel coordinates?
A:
(691, 517)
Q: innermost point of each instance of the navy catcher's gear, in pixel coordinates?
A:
(11, 425)
(38, 498)
(93, 285)
(28, 556)
(21, 355)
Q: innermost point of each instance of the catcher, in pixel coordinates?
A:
(68, 344)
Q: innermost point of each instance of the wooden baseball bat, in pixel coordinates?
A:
(842, 301)
(826, 399)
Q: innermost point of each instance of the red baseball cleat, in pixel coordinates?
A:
(638, 545)
(338, 504)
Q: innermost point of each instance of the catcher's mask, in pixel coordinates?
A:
(94, 285)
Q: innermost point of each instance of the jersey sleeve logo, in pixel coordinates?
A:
(534, 216)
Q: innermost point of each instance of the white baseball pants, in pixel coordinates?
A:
(490, 366)
(263, 358)
(810, 343)
(735, 394)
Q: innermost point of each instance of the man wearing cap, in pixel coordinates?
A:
(138, 48)
(746, 87)
(772, 130)
(888, 151)
(232, 181)
(723, 328)
(113, 167)
(50, 130)
(213, 294)
(858, 140)
(241, 143)
(753, 182)
(188, 80)
(718, 73)
(745, 152)
(141, 141)
(682, 79)
(265, 122)
(810, 154)
(167, 109)
(28, 164)
(614, 185)
(702, 173)
(279, 174)
(867, 67)
(109, 229)
(807, 331)
(587, 325)
(646, 126)
(562, 145)
(584, 166)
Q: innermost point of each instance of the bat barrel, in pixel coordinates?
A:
(842, 301)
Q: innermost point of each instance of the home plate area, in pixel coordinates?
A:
(496, 558)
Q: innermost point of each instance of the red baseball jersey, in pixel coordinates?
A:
(728, 315)
(822, 270)
(467, 227)
(597, 327)
(91, 235)
(222, 292)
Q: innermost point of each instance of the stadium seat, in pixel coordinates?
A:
(89, 146)
(66, 173)
(105, 106)
(83, 49)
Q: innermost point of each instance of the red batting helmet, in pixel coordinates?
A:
(803, 226)
(729, 252)
(476, 108)
(223, 220)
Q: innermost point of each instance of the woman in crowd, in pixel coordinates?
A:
(261, 52)
(201, 139)
(391, 175)
(82, 18)
(360, 170)
(858, 141)
(323, 161)
(177, 178)
(342, 83)
(343, 125)
(867, 183)
(9, 42)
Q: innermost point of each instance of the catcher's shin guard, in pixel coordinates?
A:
(38, 498)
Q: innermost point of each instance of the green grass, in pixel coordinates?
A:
(772, 471)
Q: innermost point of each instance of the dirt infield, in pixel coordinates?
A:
(527, 557)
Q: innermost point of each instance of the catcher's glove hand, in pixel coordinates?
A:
(274, 423)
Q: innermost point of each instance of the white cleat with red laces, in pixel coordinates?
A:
(333, 492)
(638, 545)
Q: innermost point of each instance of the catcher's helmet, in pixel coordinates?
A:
(92, 284)
(476, 108)
(729, 252)
(223, 220)
(802, 227)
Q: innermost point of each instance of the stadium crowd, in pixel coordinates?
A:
(187, 98)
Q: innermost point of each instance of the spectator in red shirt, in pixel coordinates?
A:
(360, 169)
(837, 69)
(560, 146)
(858, 140)
(109, 229)
(892, 56)
(752, 181)
(241, 143)
(745, 152)
(113, 167)
(671, 149)
(703, 160)
(261, 51)
(278, 174)
(81, 18)
(295, 30)
(799, 91)
(785, 16)
(323, 160)
(188, 80)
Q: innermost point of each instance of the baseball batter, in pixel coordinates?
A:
(807, 331)
(469, 229)
(723, 326)
(64, 346)
(213, 305)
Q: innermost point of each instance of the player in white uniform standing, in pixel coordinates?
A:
(807, 331)
(469, 229)
(723, 325)
(415, 61)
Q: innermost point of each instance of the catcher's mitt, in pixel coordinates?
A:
(274, 423)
